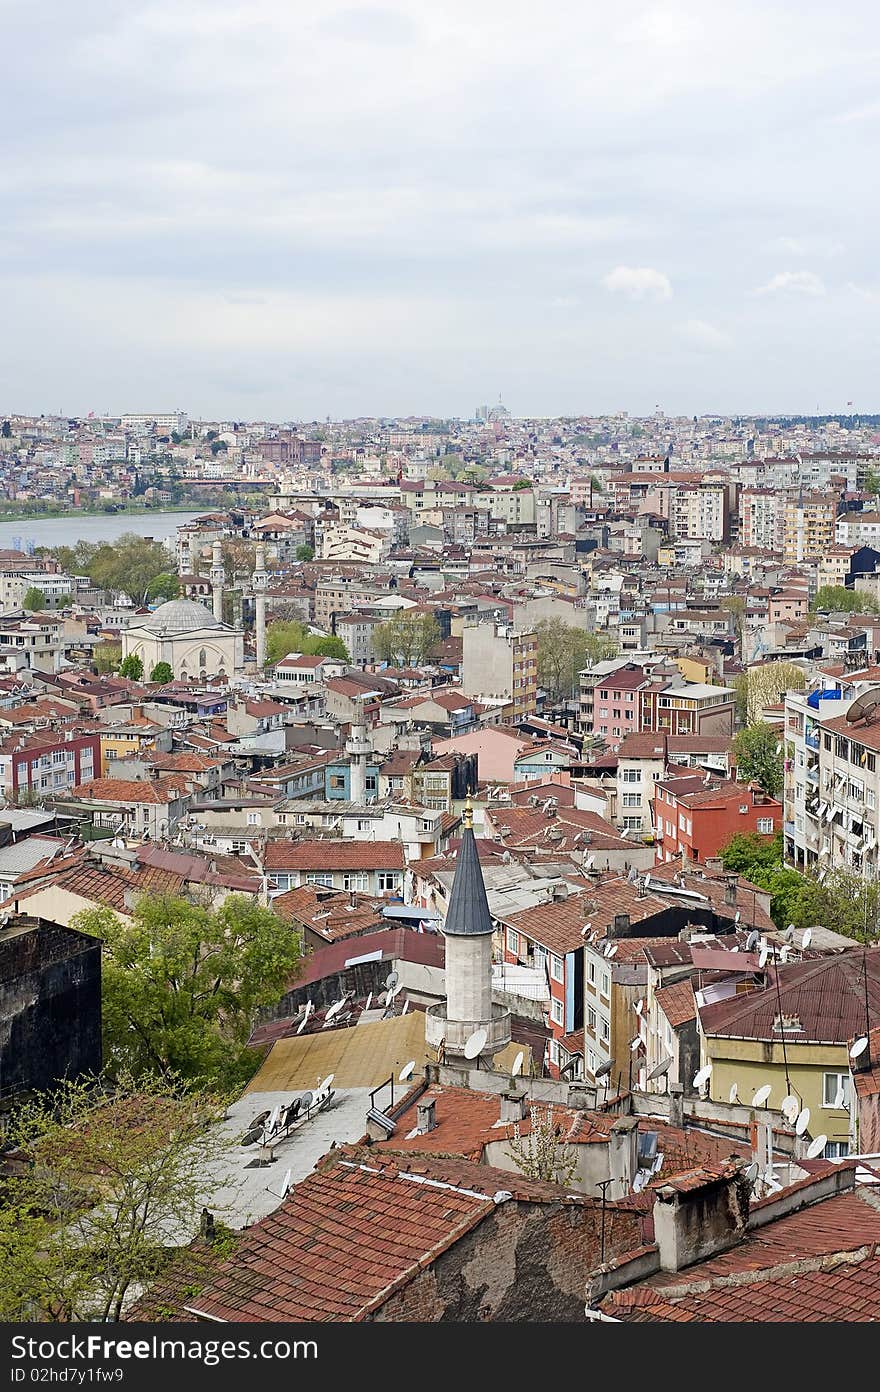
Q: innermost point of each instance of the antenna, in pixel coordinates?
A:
(517, 1065)
(407, 1071)
(475, 1044)
(734, 1092)
(761, 1095)
(816, 1147)
(803, 1121)
(790, 1108)
(661, 1069)
(611, 950)
(703, 1075)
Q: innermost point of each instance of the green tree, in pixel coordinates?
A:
(735, 605)
(522, 483)
(77, 559)
(838, 598)
(406, 639)
(107, 657)
(305, 552)
(182, 984)
(563, 650)
(542, 1153)
(758, 752)
(872, 482)
(34, 599)
(287, 636)
(161, 672)
(767, 683)
(111, 1169)
(759, 859)
(165, 586)
(129, 566)
(132, 667)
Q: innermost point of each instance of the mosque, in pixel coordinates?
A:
(193, 639)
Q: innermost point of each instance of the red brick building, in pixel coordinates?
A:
(695, 817)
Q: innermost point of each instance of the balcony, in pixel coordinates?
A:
(811, 741)
(454, 1034)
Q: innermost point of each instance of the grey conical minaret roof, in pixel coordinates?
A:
(468, 913)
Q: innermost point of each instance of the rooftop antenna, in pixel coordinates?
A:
(816, 1146)
(475, 1044)
(806, 939)
(803, 1121)
(610, 951)
(751, 1172)
(639, 1006)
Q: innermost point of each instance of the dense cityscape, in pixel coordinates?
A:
(486, 803)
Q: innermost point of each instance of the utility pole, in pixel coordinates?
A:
(603, 1185)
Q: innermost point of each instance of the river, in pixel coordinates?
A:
(66, 531)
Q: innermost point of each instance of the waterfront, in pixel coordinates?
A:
(66, 531)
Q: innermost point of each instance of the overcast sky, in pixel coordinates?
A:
(267, 208)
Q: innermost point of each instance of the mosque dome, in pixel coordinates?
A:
(181, 616)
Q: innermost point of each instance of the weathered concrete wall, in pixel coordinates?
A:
(50, 1007)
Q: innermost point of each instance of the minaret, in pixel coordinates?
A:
(468, 932)
(259, 581)
(218, 575)
(358, 748)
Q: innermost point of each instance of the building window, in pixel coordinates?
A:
(513, 941)
(765, 826)
(253, 818)
(835, 1090)
(557, 967)
(632, 775)
(593, 972)
(388, 880)
(591, 1019)
(604, 1030)
(553, 1051)
(557, 1012)
(320, 879)
(835, 1150)
(606, 982)
(632, 799)
(354, 880)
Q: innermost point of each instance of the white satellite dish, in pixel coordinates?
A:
(635, 1044)
(640, 1181)
(325, 1086)
(752, 940)
(369, 998)
(517, 1065)
(790, 1108)
(734, 1092)
(803, 1121)
(763, 955)
(639, 1006)
(807, 938)
(816, 1147)
(309, 1009)
(286, 1185)
(761, 1095)
(407, 1071)
(611, 951)
(405, 1007)
(751, 1172)
(859, 1047)
(475, 1044)
(703, 1075)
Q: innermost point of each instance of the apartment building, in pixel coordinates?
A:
(762, 519)
(695, 817)
(858, 529)
(498, 664)
(809, 525)
(48, 762)
(699, 512)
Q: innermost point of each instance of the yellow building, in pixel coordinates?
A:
(809, 526)
(696, 669)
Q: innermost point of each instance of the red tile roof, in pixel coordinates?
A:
(827, 996)
(334, 855)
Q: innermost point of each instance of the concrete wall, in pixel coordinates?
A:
(469, 978)
(50, 1007)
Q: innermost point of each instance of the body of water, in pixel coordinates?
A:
(66, 531)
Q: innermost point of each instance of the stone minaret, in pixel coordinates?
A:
(468, 932)
(259, 581)
(358, 749)
(217, 577)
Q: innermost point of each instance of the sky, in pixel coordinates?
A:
(266, 209)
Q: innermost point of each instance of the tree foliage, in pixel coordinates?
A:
(132, 667)
(107, 657)
(128, 566)
(758, 753)
(165, 586)
(35, 599)
(834, 598)
(182, 983)
(563, 650)
(540, 1154)
(406, 639)
(161, 672)
(287, 636)
(108, 1174)
(766, 684)
(305, 552)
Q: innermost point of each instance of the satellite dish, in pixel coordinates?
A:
(307, 1100)
(788, 933)
(864, 706)
(325, 1086)
(807, 938)
(286, 1185)
(751, 1172)
(634, 1044)
(517, 1065)
(611, 951)
(407, 1071)
(763, 955)
(790, 1108)
(405, 1007)
(309, 1009)
(859, 1047)
(475, 1044)
(734, 1092)
(639, 1006)
(761, 1095)
(661, 1069)
(604, 1068)
(640, 1181)
(803, 1121)
(752, 940)
(737, 916)
(816, 1147)
(369, 998)
(703, 1075)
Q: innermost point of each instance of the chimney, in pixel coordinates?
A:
(676, 1105)
(426, 1120)
(730, 890)
(514, 1106)
(623, 1155)
(699, 1213)
(619, 926)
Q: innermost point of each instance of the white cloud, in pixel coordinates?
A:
(803, 246)
(698, 333)
(638, 283)
(793, 282)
